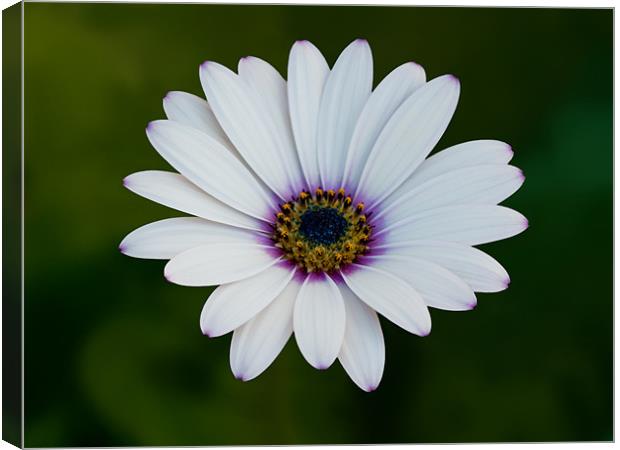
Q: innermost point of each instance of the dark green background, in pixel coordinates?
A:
(114, 354)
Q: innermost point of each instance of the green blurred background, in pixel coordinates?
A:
(114, 354)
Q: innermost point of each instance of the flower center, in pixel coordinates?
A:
(321, 232)
(322, 225)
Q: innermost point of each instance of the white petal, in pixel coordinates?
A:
(251, 127)
(257, 343)
(307, 73)
(409, 136)
(319, 320)
(476, 268)
(478, 185)
(189, 109)
(206, 163)
(231, 305)
(438, 287)
(167, 238)
(346, 90)
(391, 297)
(219, 263)
(363, 351)
(467, 224)
(384, 100)
(175, 191)
(467, 154)
(267, 82)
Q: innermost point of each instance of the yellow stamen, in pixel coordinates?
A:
(311, 256)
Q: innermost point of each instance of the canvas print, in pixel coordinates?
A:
(228, 225)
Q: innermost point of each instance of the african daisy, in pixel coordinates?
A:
(317, 207)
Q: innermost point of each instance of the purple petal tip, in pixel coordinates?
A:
(204, 64)
(472, 306)
(121, 248)
(361, 41)
(301, 41)
(371, 388)
(240, 377)
(526, 223)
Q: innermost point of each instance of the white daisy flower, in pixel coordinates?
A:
(317, 208)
